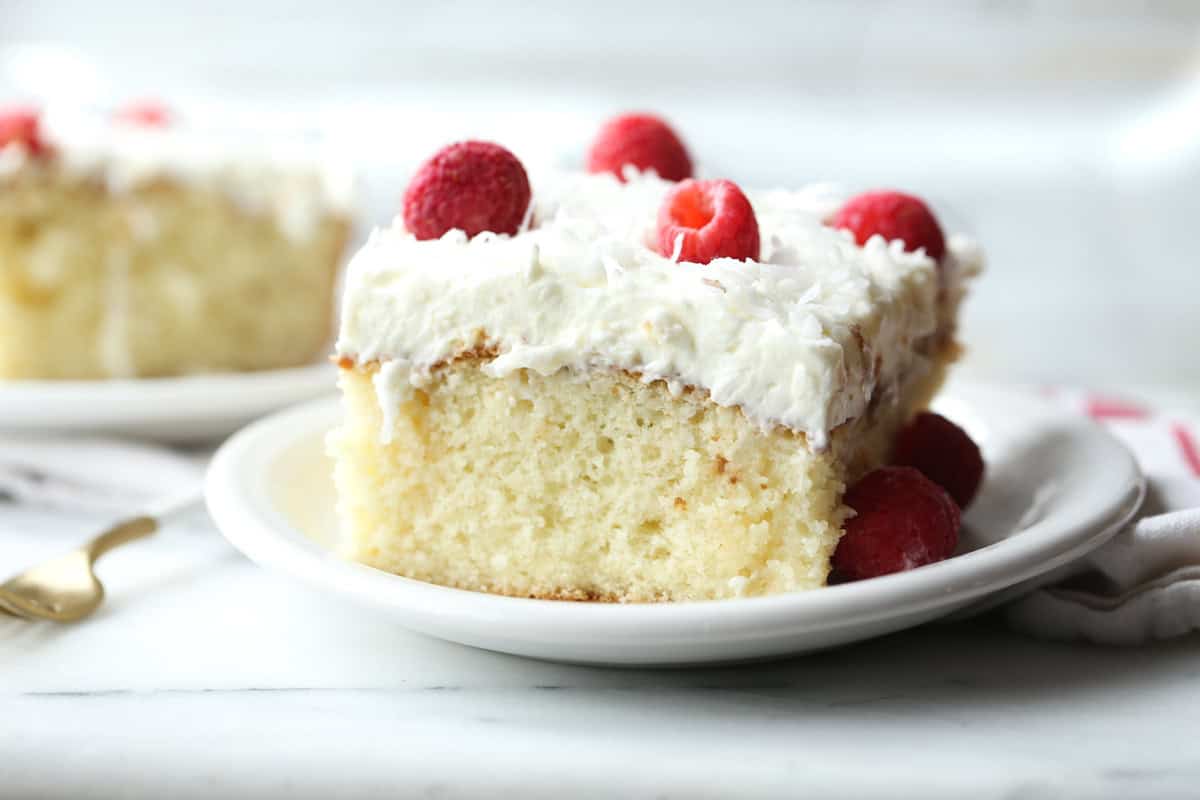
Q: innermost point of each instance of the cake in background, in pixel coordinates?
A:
(623, 388)
(132, 246)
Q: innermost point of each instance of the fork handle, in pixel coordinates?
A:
(144, 524)
(124, 531)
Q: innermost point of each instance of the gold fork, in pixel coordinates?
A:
(66, 589)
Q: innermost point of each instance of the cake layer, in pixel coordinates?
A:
(160, 278)
(803, 339)
(596, 486)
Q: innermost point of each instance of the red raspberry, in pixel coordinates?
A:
(714, 219)
(893, 216)
(149, 113)
(944, 453)
(21, 125)
(644, 141)
(472, 186)
(903, 520)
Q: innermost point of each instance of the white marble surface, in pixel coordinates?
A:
(1076, 158)
(204, 676)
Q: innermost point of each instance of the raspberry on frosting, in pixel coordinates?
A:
(902, 521)
(469, 186)
(699, 221)
(642, 140)
(150, 113)
(892, 215)
(21, 126)
(944, 453)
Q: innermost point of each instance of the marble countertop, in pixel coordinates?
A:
(204, 676)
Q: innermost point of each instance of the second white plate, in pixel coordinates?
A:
(1057, 486)
(184, 409)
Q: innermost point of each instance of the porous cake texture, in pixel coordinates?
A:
(567, 414)
(599, 487)
(130, 252)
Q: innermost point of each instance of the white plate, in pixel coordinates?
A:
(189, 408)
(1057, 486)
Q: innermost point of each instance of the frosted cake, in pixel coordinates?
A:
(570, 409)
(132, 247)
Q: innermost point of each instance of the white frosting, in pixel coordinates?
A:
(802, 338)
(293, 182)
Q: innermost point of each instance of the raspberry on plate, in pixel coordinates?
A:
(471, 186)
(944, 453)
(892, 215)
(20, 125)
(706, 220)
(902, 520)
(643, 140)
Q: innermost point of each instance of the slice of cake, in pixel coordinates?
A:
(641, 391)
(131, 248)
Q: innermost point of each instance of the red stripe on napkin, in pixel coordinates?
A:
(1187, 446)
(1108, 408)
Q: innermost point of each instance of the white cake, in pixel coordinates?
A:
(568, 413)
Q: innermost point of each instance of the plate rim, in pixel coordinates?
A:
(71, 405)
(71, 387)
(264, 535)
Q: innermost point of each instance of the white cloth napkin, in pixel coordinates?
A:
(1145, 583)
(94, 474)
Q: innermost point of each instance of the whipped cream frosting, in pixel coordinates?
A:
(801, 338)
(294, 182)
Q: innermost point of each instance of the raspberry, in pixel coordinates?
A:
(944, 453)
(903, 520)
(644, 141)
(892, 215)
(148, 113)
(714, 219)
(471, 186)
(20, 125)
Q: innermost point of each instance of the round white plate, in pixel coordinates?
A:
(1056, 487)
(189, 408)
